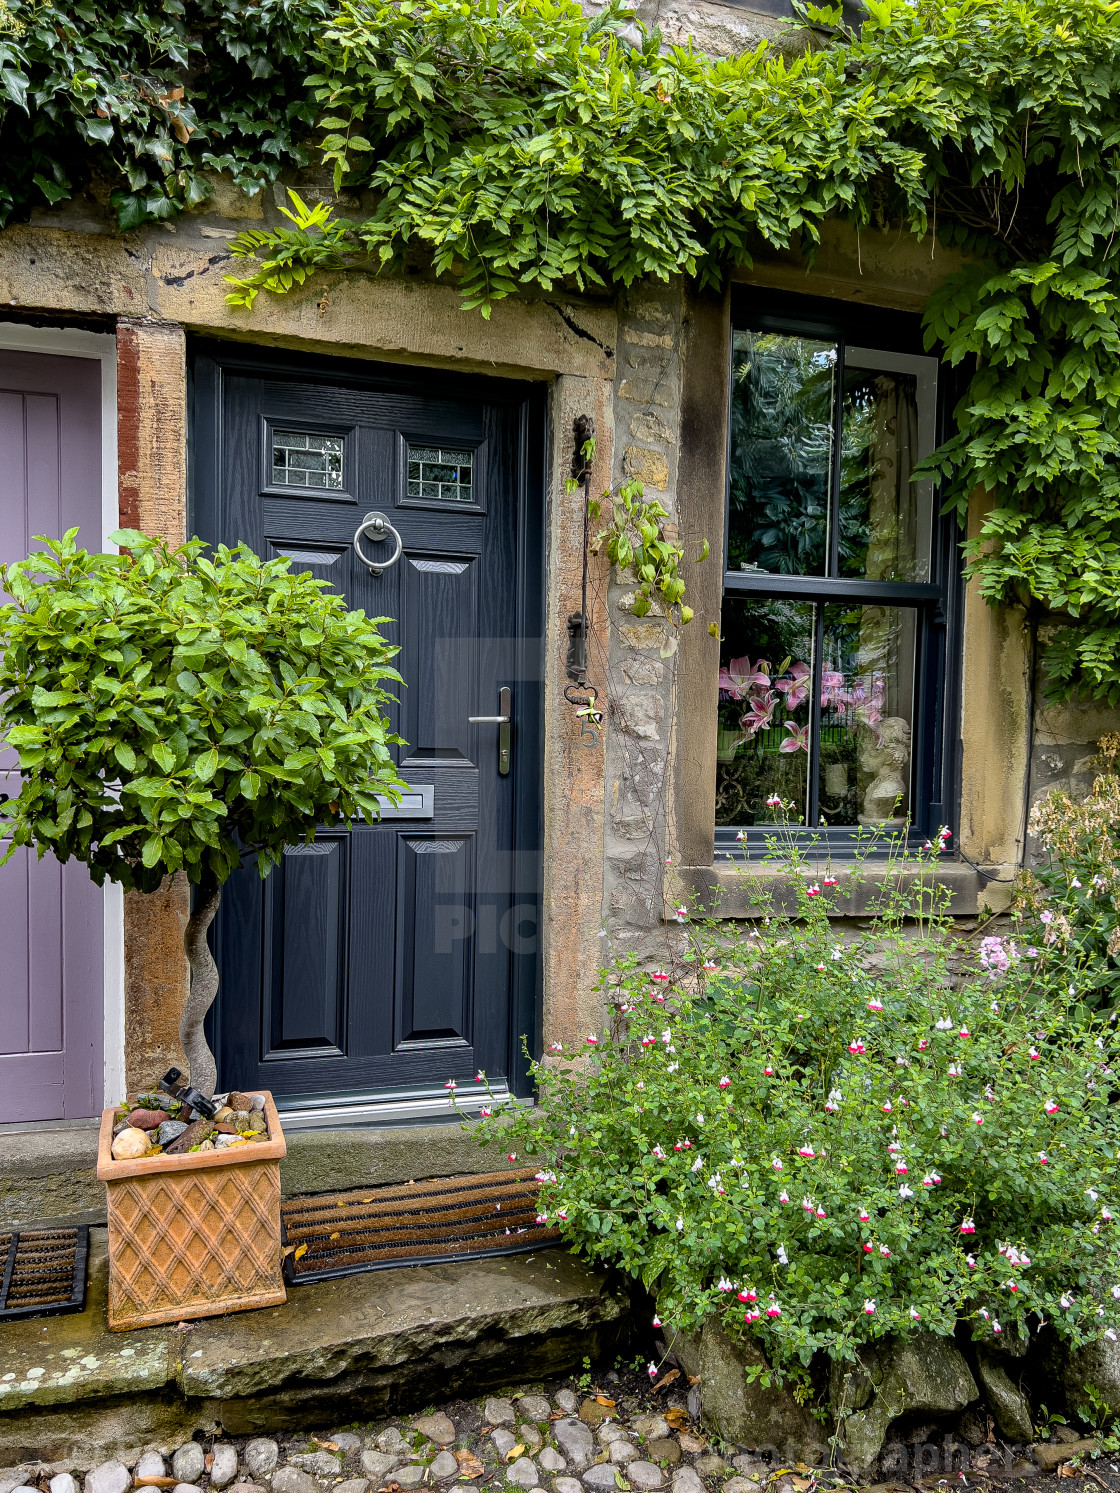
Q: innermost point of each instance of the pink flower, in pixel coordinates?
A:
(1034, 1054)
(874, 1005)
(773, 1310)
(709, 966)
(887, 1107)
(813, 891)
(783, 1196)
(774, 801)
(864, 1216)
(856, 1046)
(660, 976)
(923, 1044)
(659, 1153)
(1043, 1158)
(542, 1218)
(797, 740)
(968, 1226)
(485, 1112)
(1051, 1106)
(884, 1251)
(759, 713)
(869, 1307)
(901, 1169)
(820, 1213)
(830, 881)
(965, 1032)
(512, 1156)
(868, 1247)
(977, 1117)
(776, 1164)
(806, 1151)
(1047, 916)
(970, 1261)
(768, 1071)
(656, 1321)
(741, 675)
(748, 1293)
(592, 1041)
(832, 689)
(451, 1084)
(1012, 1286)
(915, 1314)
(795, 686)
(725, 1082)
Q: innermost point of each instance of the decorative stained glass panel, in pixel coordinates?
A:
(302, 458)
(440, 473)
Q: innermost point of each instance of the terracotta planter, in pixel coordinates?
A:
(195, 1235)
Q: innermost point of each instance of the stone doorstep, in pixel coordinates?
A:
(383, 1342)
(50, 1175)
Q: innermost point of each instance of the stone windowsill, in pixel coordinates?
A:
(727, 884)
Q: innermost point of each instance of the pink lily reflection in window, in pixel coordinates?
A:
(794, 684)
(760, 712)
(797, 740)
(741, 677)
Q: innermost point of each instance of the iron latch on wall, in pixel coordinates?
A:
(591, 716)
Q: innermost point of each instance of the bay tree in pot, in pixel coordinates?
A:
(175, 711)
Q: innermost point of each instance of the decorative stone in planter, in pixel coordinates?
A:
(193, 1235)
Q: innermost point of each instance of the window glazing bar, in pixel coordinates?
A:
(820, 588)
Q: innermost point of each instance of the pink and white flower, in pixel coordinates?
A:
(783, 1196)
(968, 1226)
(776, 1163)
(451, 1085)
(748, 1293)
(725, 1082)
(1051, 1106)
(813, 891)
(773, 1310)
(864, 1216)
(915, 1314)
(869, 1307)
(660, 976)
(874, 1005)
(856, 1047)
(797, 740)
(485, 1112)
(977, 1117)
(806, 1151)
(884, 1251)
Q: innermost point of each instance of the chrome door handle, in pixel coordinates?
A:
(379, 529)
(505, 704)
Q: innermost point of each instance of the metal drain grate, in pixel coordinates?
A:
(44, 1272)
(415, 1223)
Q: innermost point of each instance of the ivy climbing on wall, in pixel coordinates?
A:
(517, 145)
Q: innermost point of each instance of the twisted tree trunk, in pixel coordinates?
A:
(204, 986)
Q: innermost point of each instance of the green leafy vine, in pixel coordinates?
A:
(514, 145)
(639, 539)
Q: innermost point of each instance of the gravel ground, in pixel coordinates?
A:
(608, 1432)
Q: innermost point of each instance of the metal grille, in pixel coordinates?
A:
(301, 458)
(44, 1272)
(437, 472)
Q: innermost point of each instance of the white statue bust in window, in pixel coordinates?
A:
(887, 762)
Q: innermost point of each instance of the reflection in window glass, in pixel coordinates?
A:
(781, 453)
(886, 520)
(436, 472)
(765, 679)
(302, 458)
(867, 715)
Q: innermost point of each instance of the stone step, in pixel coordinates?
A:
(49, 1174)
(385, 1342)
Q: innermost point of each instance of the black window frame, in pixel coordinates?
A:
(935, 749)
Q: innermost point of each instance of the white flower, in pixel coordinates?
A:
(697, 1165)
(837, 953)
(1116, 1293)
(905, 1192)
(699, 1118)
(1066, 1301)
(783, 1258)
(776, 1164)
(672, 1067)
(945, 1025)
(680, 1225)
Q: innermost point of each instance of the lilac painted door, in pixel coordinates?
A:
(51, 918)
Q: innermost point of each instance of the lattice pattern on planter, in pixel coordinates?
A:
(191, 1244)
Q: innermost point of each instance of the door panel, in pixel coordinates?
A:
(51, 919)
(377, 961)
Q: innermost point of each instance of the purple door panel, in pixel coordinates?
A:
(51, 918)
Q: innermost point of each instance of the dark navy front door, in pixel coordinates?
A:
(383, 962)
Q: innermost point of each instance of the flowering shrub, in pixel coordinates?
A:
(821, 1143)
(1077, 888)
